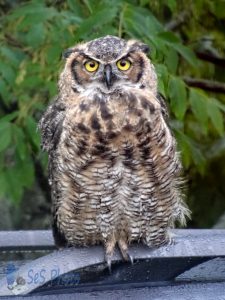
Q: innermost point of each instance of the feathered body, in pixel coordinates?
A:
(113, 165)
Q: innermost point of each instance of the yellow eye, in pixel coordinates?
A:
(91, 65)
(123, 64)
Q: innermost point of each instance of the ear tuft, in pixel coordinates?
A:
(144, 48)
(67, 53)
(140, 47)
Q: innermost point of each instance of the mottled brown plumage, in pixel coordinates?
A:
(113, 166)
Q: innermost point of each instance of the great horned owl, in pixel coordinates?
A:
(113, 166)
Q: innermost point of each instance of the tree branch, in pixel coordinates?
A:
(204, 84)
(180, 19)
(15, 43)
(203, 55)
(216, 60)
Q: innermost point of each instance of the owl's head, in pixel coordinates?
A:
(106, 65)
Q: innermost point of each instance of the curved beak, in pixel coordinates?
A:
(108, 76)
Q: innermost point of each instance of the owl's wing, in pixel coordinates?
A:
(164, 109)
(50, 126)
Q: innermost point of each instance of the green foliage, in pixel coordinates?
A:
(34, 34)
(178, 97)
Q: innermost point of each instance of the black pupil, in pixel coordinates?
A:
(123, 63)
(92, 64)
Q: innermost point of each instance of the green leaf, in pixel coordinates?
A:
(4, 91)
(173, 41)
(9, 117)
(219, 8)
(168, 37)
(25, 172)
(7, 72)
(52, 88)
(96, 20)
(187, 54)
(36, 35)
(178, 97)
(216, 116)
(198, 158)
(163, 76)
(88, 4)
(172, 4)
(10, 55)
(141, 23)
(144, 2)
(171, 60)
(14, 188)
(33, 13)
(20, 142)
(5, 135)
(153, 26)
(18, 177)
(53, 53)
(31, 130)
(69, 18)
(190, 151)
(217, 149)
(199, 107)
(184, 147)
(75, 7)
(220, 105)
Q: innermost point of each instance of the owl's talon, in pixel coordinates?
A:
(127, 256)
(109, 250)
(172, 242)
(130, 258)
(124, 251)
(108, 259)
